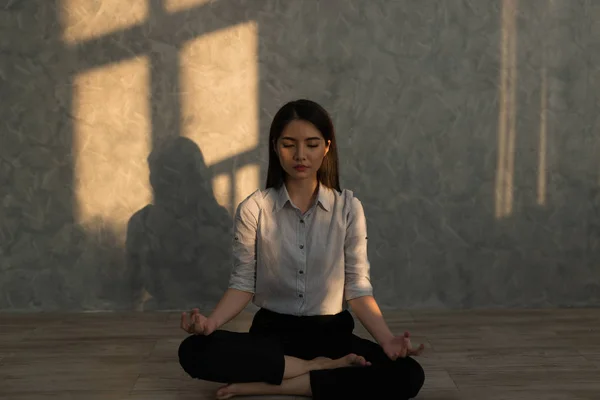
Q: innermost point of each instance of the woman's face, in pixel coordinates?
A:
(301, 149)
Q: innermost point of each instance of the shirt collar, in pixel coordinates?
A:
(323, 197)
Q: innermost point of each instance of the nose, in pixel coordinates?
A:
(299, 153)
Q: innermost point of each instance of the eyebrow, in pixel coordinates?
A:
(292, 139)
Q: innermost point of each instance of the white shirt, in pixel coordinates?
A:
(301, 264)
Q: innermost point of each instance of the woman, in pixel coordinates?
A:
(300, 253)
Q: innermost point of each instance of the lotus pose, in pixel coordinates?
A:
(300, 254)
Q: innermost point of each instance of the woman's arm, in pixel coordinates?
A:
(243, 275)
(357, 281)
(230, 305)
(369, 314)
(358, 289)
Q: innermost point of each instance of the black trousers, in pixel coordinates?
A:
(258, 356)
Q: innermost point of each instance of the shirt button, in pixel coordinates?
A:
(301, 221)
(301, 246)
(301, 272)
(300, 295)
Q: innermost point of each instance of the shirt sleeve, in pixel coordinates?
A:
(357, 267)
(243, 274)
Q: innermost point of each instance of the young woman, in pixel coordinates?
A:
(300, 253)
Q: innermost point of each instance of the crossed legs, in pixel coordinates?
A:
(251, 364)
(296, 378)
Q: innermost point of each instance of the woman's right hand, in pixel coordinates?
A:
(197, 323)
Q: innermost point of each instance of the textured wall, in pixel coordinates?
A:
(130, 130)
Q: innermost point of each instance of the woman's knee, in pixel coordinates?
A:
(416, 377)
(190, 350)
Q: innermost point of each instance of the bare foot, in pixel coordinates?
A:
(353, 360)
(350, 360)
(226, 392)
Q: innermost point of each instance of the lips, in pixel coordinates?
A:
(300, 167)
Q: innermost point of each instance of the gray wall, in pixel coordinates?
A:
(469, 129)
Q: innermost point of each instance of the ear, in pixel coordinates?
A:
(327, 147)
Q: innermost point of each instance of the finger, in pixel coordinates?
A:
(189, 327)
(200, 324)
(417, 351)
(420, 349)
(195, 311)
(406, 334)
(184, 321)
(193, 324)
(204, 326)
(404, 350)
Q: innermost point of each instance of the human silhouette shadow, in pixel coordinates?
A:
(178, 247)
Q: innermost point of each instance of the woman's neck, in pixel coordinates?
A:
(302, 192)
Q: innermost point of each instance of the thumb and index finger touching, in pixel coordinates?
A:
(189, 320)
(408, 345)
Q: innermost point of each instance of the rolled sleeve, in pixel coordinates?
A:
(357, 267)
(243, 274)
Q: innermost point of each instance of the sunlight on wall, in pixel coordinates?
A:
(544, 95)
(172, 6)
(541, 184)
(507, 112)
(220, 98)
(246, 182)
(87, 19)
(111, 142)
(221, 186)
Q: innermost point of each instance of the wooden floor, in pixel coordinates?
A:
(492, 355)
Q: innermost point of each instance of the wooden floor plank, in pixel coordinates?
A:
(475, 354)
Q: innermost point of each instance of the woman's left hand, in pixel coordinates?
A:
(400, 346)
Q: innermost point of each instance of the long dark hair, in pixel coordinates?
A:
(305, 110)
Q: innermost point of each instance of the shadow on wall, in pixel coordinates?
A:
(441, 109)
(83, 113)
(50, 257)
(178, 248)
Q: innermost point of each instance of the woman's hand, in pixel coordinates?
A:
(197, 323)
(400, 346)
